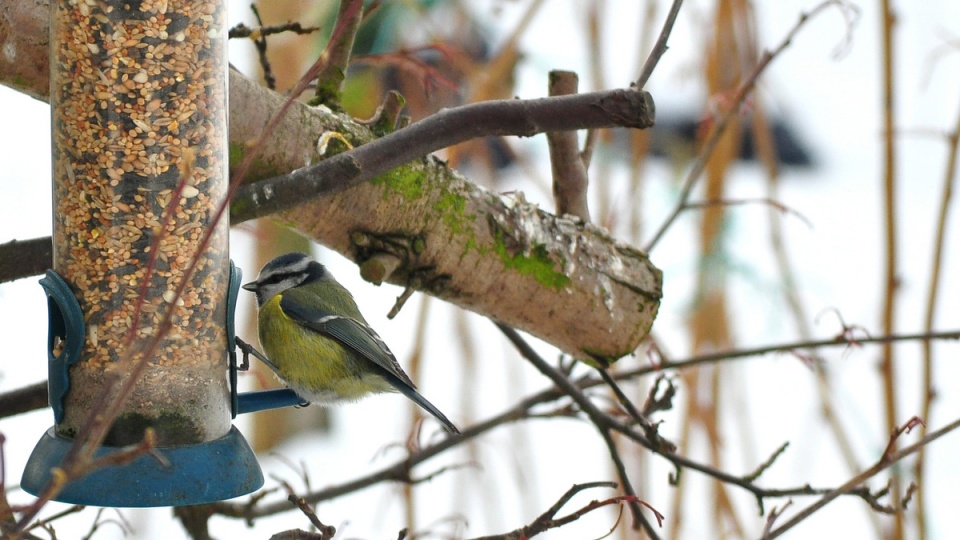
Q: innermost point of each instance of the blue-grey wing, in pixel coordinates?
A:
(358, 337)
(349, 332)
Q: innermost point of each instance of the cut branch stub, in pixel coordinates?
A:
(570, 178)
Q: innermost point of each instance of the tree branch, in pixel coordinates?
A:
(569, 169)
(35, 394)
(517, 117)
(660, 47)
(525, 409)
(330, 79)
(23, 258)
(885, 461)
(549, 520)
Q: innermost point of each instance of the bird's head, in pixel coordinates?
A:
(285, 272)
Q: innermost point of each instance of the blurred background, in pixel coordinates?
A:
(747, 273)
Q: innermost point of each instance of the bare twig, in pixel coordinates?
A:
(841, 340)
(259, 37)
(260, 43)
(624, 477)
(772, 517)
(330, 78)
(660, 47)
(888, 373)
(399, 471)
(71, 510)
(886, 460)
(726, 356)
(549, 520)
(24, 399)
(243, 31)
(100, 521)
(326, 531)
(776, 205)
(929, 391)
(768, 463)
(603, 422)
(649, 428)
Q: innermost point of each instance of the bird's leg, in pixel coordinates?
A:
(248, 349)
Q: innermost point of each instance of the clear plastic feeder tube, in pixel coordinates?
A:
(139, 105)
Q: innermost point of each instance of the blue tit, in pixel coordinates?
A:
(318, 343)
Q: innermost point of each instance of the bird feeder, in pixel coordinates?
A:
(141, 272)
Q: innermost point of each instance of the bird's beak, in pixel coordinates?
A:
(252, 286)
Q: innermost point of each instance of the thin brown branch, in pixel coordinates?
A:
(526, 409)
(63, 513)
(326, 531)
(768, 463)
(243, 31)
(840, 340)
(399, 471)
(767, 152)
(928, 392)
(37, 391)
(259, 36)
(260, 43)
(330, 78)
(649, 428)
(570, 179)
(772, 517)
(24, 399)
(624, 477)
(891, 281)
(603, 422)
(23, 258)
(523, 118)
(774, 204)
(660, 47)
(883, 463)
(549, 520)
(262, 30)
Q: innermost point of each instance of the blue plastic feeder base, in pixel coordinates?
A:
(212, 471)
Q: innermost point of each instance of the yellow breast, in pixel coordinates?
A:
(318, 368)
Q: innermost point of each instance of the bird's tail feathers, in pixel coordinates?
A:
(426, 405)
